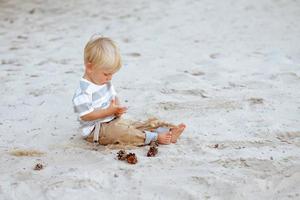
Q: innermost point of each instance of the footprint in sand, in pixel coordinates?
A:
(37, 93)
(34, 76)
(13, 48)
(292, 137)
(230, 144)
(69, 72)
(195, 72)
(55, 39)
(8, 62)
(289, 77)
(22, 37)
(125, 16)
(192, 92)
(206, 104)
(64, 61)
(215, 55)
(232, 163)
(55, 187)
(126, 40)
(134, 54)
(12, 70)
(255, 101)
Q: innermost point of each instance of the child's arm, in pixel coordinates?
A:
(113, 109)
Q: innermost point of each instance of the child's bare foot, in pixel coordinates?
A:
(176, 132)
(164, 138)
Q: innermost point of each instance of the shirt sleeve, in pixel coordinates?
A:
(83, 104)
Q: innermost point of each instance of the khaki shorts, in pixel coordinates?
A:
(126, 132)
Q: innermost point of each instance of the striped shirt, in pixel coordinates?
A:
(89, 97)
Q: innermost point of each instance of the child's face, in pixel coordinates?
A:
(100, 76)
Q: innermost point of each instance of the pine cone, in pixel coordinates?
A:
(152, 151)
(131, 158)
(38, 166)
(122, 155)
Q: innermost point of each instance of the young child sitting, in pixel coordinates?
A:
(99, 108)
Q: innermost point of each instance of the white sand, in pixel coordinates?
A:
(229, 69)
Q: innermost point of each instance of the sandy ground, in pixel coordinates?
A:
(229, 69)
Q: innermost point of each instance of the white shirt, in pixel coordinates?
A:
(89, 97)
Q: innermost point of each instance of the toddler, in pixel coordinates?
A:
(99, 108)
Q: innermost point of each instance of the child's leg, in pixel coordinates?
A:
(159, 126)
(119, 131)
(152, 124)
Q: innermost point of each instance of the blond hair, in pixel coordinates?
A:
(102, 52)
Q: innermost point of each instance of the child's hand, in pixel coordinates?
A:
(115, 109)
(120, 113)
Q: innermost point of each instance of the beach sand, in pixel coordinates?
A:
(228, 69)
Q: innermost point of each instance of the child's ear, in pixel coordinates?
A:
(88, 66)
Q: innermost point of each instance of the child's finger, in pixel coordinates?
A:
(123, 109)
(121, 112)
